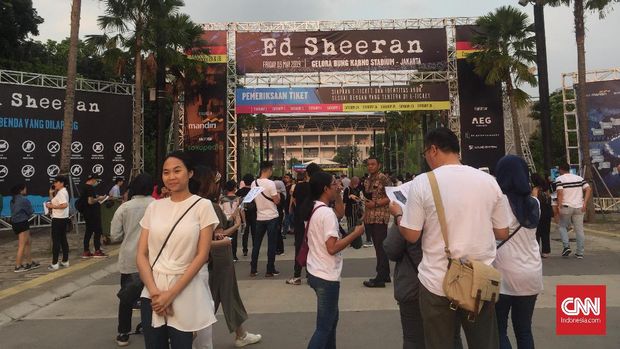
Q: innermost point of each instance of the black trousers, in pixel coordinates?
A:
(234, 243)
(249, 230)
(411, 321)
(93, 226)
(299, 230)
(542, 234)
(379, 233)
(59, 239)
(125, 310)
(164, 337)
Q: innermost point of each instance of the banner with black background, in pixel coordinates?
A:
(482, 116)
(31, 122)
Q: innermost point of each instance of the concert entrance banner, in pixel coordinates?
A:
(333, 51)
(603, 100)
(481, 107)
(425, 96)
(205, 106)
(31, 122)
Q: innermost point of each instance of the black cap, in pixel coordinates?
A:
(92, 176)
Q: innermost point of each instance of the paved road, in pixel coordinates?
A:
(285, 315)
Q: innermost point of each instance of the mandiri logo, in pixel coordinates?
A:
(581, 310)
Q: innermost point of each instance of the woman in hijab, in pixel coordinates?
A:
(518, 258)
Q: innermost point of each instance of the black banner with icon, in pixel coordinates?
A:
(31, 122)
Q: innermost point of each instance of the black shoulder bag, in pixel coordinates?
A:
(131, 292)
(509, 237)
(263, 194)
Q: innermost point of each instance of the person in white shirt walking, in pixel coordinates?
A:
(475, 217)
(518, 258)
(266, 220)
(573, 196)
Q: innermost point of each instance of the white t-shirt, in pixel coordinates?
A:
(266, 210)
(176, 257)
(346, 182)
(115, 192)
(62, 197)
(473, 206)
(519, 262)
(323, 225)
(572, 187)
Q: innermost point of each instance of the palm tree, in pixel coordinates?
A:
(181, 70)
(124, 24)
(579, 8)
(507, 51)
(67, 131)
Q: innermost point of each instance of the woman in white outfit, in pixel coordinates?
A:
(173, 291)
(519, 258)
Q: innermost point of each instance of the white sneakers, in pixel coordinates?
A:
(54, 267)
(248, 339)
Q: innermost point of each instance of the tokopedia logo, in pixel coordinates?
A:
(573, 306)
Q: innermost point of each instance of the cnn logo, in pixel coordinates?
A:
(581, 310)
(574, 306)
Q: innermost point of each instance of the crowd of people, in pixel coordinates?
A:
(179, 241)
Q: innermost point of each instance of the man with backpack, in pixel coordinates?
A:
(229, 203)
(266, 220)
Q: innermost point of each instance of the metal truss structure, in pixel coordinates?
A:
(509, 140)
(363, 78)
(55, 81)
(327, 122)
(571, 125)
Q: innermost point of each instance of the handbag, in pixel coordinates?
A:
(132, 290)
(467, 284)
(69, 226)
(302, 256)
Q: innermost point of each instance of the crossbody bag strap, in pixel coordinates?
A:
(308, 223)
(509, 237)
(263, 194)
(441, 214)
(171, 230)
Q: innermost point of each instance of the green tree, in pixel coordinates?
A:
(348, 155)
(18, 20)
(579, 9)
(558, 144)
(507, 51)
(124, 24)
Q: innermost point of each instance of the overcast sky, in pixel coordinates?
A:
(601, 52)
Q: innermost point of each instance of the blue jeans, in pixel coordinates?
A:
(521, 309)
(162, 337)
(271, 228)
(574, 215)
(327, 294)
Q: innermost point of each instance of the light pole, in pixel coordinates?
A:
(543, 79)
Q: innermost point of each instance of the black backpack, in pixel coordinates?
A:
(81, 203)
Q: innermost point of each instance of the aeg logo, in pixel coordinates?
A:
(482, 120)
(581, 310)
(575, 306)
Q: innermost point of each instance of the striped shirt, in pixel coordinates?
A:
(572, 187)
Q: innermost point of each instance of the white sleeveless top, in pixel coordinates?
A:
(193, 307)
